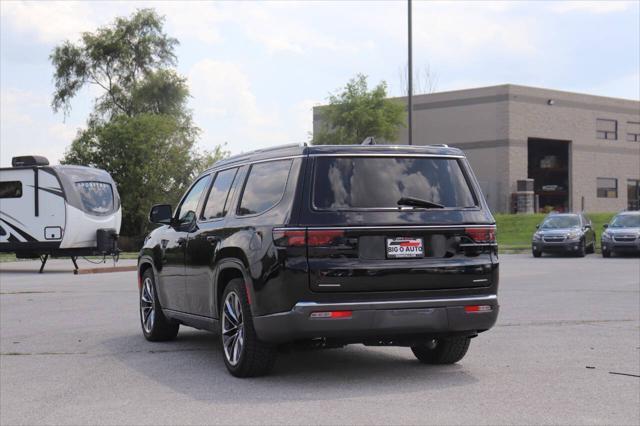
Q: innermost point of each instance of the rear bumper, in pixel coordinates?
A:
(378, 319)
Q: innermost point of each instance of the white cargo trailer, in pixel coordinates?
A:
(60, 210)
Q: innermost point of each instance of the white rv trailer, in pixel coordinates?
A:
(60, 210)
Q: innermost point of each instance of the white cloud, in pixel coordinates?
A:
(227, 110)
(281, 28)
(51, 21)
(28, 127)
(596, 7)
(461, 31)
(222, 90)
(193, 20)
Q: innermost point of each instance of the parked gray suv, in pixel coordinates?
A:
(564, 233)
(622, 234)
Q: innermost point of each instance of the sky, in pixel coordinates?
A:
(256, 69)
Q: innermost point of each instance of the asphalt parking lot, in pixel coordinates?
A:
(71, 352)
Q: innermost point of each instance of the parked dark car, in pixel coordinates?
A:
(325, 246)
(622, 234)
(564, 233)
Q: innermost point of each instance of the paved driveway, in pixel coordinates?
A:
(71, 352)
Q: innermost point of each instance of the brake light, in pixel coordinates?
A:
(331, 314)
(313, 238)
(325, 237)
(482, 235)
(289, 237)
(470, 309)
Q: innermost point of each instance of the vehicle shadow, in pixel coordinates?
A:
(192, 365)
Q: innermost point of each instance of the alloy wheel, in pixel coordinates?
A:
(147, 308)
(232, 328)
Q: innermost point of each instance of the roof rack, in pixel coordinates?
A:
(268, 149)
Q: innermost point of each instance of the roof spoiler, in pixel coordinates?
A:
(29, 160)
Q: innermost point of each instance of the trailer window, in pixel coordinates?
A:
(96, 197)
(11, 189)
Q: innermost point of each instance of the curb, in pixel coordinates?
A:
(105, 270)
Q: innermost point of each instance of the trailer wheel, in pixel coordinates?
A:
(155, 326)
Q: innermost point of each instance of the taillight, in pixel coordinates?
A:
(331, 314)
(482, 235)
(289, 237)
(313, 238)
(325, 237)
(477, 308)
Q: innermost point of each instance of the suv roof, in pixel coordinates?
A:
(304, 149)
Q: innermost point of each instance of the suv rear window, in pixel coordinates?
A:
(348, 183)
(265, 186)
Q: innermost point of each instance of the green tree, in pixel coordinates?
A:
(356, 113)
(140, 130)
(123, 59)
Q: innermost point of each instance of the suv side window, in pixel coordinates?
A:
(187, 211)
(264, 186)
(216, 205)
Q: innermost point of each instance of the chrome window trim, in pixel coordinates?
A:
(224, 167)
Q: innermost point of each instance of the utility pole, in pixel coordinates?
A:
(410, 74)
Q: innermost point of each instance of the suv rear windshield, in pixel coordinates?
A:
(348, 183)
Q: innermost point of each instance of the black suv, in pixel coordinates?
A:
(325, 246)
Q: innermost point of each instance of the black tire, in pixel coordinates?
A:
(606, 253)
(442, 351)
(536, 253)
(254, 357)
(155, 326)
(582, 250)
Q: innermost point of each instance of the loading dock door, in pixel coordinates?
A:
(548, 166)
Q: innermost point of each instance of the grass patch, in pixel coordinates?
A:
(515, 230)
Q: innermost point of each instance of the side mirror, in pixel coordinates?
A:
(587, 226)
(161, 214)
(538, 226)
(605, 226)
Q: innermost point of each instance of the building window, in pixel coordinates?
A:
(633, 131)
(633, 194)
(607, 187)
(606, 129)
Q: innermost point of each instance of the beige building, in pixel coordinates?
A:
(582, 151)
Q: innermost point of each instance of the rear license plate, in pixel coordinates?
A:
(404, 248)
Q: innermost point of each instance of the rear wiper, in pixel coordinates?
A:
(418, 202)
